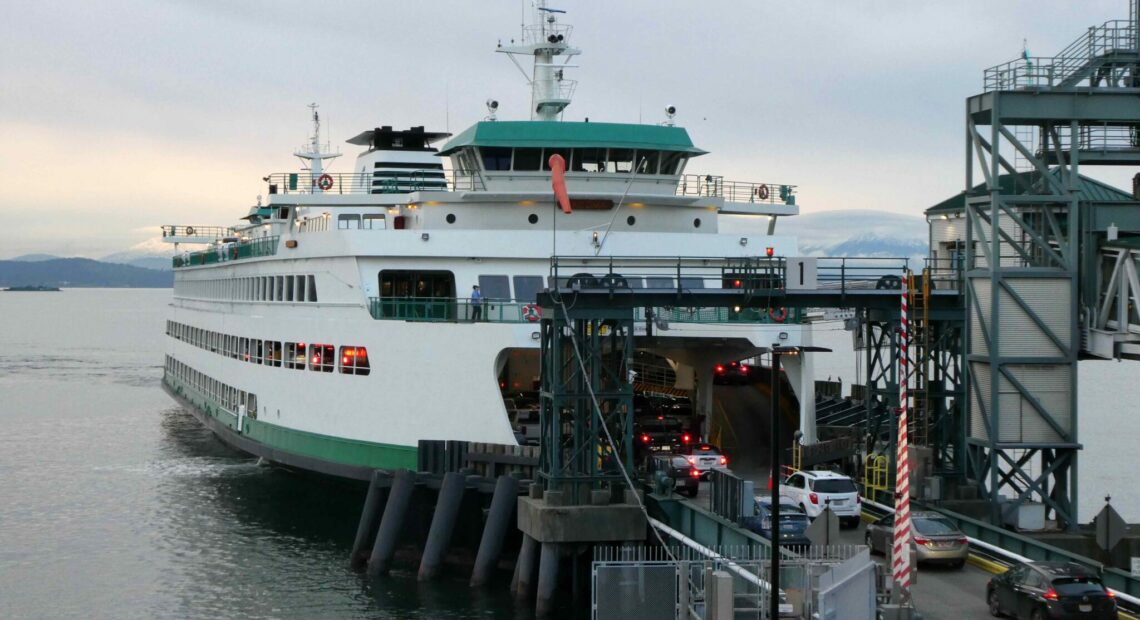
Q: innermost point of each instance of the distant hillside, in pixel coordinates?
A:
(80, 272)
(34, 258)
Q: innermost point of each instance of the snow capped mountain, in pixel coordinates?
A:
(149, 254)
(859, 233)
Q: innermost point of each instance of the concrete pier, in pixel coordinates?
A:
(442, 524)
(547, 579)
(399, 497)
(495, 530)
(525, 568)
(369, 518)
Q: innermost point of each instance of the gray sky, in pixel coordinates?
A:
(121, 115)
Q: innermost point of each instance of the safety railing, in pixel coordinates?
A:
(680, 314)
(367, 183)
(1068, 67)
(451, 309)
(1103, 138)
(222, 252)
(667, 273)
(860, 273)
(210, 232)
(735, 191)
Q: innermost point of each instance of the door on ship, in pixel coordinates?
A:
(417, 295)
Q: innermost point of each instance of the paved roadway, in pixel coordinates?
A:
(940, 593)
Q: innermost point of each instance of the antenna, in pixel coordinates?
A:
(542, 41)
(315, 154)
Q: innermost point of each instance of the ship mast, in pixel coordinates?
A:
(316, 154)
(543, 40)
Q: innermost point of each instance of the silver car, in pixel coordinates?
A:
(936, 538)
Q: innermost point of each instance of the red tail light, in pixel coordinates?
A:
(1051, 594)
(1110, 593)
(723, 460)
(695, 473)
(719, 368)
(963, 540)
(645, 438)
(814, 498)
(919, 540)
(858, 500)
(744, 369)
(686, 438)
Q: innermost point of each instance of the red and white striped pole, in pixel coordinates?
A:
(900, 551)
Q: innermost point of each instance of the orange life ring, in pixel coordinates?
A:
(532, 313)
(762, 192)
(325, 182)
(778, 315)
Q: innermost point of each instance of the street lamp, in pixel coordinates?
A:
(774, 581)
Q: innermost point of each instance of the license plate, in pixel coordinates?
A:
(839, 502)
(708, 461)
(1086, 607)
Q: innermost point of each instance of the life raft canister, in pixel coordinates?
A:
(531, 313)
(778, 315)
(325, 182)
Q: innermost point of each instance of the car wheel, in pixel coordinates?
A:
(958, 563)
(693, 493)
(995, 608)
(870, 545)
(1038, 614)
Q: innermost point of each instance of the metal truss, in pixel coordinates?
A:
(585, 367)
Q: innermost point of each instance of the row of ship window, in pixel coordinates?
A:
(641, 161)
(352, 360)
(229, 397)
(292, 288)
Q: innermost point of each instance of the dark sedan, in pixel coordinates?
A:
(1043, 590)
(793, 523)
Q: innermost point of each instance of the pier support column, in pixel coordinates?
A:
(525, 568)
(498, 520)
(442, 523)
(369, 518)
(403, 483)
(547, 579)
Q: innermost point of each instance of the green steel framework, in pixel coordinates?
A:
(586, 356)
(1031, 244)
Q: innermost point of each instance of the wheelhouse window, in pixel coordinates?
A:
(589, 160)
(373, 221)
(647, 162)
(354, 361)
(565, 153)
(672, 163)
(345, 221)
(496, 157)
(620, 160)
(321, 358)
(528, 159)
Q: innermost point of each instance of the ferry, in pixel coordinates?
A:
(351, 314)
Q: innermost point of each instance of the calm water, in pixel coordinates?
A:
(115, 504)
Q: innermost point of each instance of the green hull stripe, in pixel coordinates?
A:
(314, 445)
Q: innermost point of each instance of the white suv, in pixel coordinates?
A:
(813, 490)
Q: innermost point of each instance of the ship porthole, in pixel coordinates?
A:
(532, 218)
(696, 222)
(450, 218)
(631, 220)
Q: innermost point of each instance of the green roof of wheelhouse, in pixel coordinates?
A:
(537, 134)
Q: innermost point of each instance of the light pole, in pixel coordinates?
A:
(774, 581)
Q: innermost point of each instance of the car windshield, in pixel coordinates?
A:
(934, 526)
(834, 485)
(680, 461)
(1077, 586)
